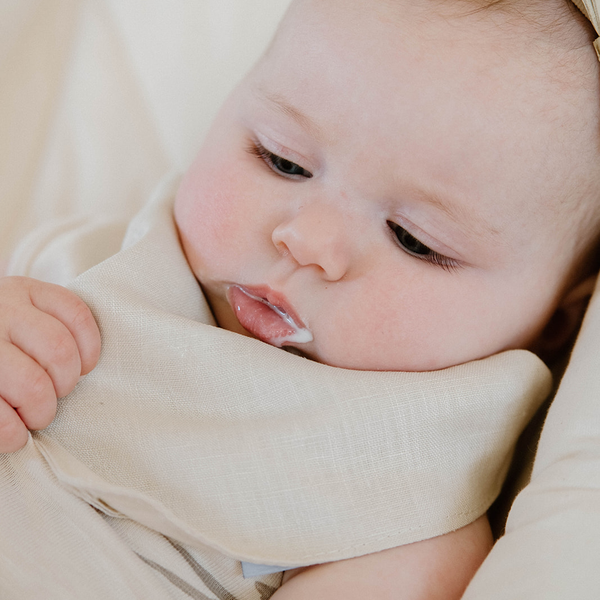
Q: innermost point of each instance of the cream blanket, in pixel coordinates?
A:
(190, 448)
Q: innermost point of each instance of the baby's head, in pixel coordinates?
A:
(415, 182)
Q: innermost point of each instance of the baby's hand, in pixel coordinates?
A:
(48, 339)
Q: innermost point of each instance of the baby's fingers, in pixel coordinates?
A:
(27, 397)
(49, 343)
(73, 313)
(13, 433)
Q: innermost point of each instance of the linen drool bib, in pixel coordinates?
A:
(214, 438)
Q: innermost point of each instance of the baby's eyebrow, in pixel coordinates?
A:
(285, 107)
(460, 215)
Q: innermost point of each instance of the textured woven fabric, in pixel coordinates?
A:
(226, 446)
(590, 9)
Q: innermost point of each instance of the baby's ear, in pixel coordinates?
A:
(565, 322)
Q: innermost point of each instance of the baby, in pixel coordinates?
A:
(395, 186)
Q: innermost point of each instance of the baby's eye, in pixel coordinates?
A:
(288, 167)
(409, 242)
(277, 163)
(415, 248)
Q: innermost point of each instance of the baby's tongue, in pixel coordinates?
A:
(264, 321)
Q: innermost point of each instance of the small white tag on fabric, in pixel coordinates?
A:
(252, 570)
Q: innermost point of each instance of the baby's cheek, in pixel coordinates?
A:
(384, 326)
(207, 214)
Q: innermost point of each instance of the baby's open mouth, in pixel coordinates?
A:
(267, 316)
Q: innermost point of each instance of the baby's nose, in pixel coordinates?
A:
(316, 235)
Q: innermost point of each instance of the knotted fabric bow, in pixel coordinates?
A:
(590, 9)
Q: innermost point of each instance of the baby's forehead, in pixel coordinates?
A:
(483, 55)
(547, 61)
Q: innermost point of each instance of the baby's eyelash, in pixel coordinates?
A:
(440, 260)
(420, 251)
(258, 150)
(279, 165)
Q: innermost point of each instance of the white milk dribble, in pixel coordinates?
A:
(270, 323)
(301, 335)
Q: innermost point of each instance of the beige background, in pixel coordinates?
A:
(99, 98)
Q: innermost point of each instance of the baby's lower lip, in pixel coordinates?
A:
(266, 315)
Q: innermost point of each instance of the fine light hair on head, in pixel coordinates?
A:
(559, 39)
(549, 17)
(566, 30)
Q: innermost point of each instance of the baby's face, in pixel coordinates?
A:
(385, 182)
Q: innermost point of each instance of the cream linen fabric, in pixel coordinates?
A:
(235, 450)
(100, 98)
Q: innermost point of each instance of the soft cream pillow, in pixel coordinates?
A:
(98, 100)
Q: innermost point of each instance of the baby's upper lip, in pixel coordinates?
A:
(276, 299)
